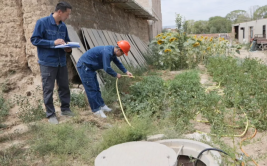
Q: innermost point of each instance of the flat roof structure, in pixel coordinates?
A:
(133, 7)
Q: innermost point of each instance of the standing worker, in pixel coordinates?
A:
(100, 58)
(49, 32)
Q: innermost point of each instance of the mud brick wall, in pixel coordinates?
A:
(18, 19)
(32, 11)
(98, 15)
(12, 40)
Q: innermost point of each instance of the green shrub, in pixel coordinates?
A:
(125, 133)
(79, 100)
(244, 84)
(146, 96)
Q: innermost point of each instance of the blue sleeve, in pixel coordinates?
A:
(37, 38)
(119, 65)
(106, 63)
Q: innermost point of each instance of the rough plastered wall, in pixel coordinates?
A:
(18, 19)
(12, 40)
(98, 15)
(32, 11)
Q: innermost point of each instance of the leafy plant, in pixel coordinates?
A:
(146, 96)
(244, 84)
(79, 100)
(175, 50)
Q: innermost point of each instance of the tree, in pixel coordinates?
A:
(213, 30)
(185, 26)
(261, 12)
(201, 27)
(189, 27)
(164, 30)
(252, 10)
(237, 16)
(221, 24)
(178, 21)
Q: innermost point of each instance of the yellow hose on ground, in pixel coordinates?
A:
(244, 151)
(241, 135)
(120, 100)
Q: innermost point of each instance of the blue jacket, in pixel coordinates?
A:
(99, 58)
(45, 33)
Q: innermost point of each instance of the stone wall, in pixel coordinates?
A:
(12, 40)
(154, 8)
(18, 19)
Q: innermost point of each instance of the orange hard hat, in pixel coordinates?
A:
(124, 46)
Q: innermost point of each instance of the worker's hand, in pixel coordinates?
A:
(59, 41)
(129, 74)
(118, 75)
(68, 49)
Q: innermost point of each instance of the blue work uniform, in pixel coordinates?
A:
(52, 62)
(94, 59)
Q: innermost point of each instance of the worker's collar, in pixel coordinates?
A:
(53, 21)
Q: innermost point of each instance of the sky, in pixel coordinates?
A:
(203, 9)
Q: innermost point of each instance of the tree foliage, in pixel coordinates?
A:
(220, 24)
(188, 26)
(261, 12)
(238, 16)
(201, 27)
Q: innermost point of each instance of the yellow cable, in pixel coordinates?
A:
(244, 151)
(241, 135)
(120, 100)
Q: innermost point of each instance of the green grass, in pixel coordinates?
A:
(155, 106)
(60, 139)
(83, 141)
(15, 156)
(78, 100)
(245, 86)
(4, 109)
(121, 133)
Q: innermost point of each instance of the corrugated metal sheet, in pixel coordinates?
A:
(133, 7)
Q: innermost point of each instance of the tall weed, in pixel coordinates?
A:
(244, 84)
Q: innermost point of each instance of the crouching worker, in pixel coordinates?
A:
(100, 58)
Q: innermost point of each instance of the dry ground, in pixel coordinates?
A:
(23, 83)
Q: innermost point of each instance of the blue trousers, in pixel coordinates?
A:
(91, 86)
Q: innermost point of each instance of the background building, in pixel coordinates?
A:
(245, 31)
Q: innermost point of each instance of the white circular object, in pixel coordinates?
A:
(137, 154)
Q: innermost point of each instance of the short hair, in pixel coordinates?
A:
(63, 6)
